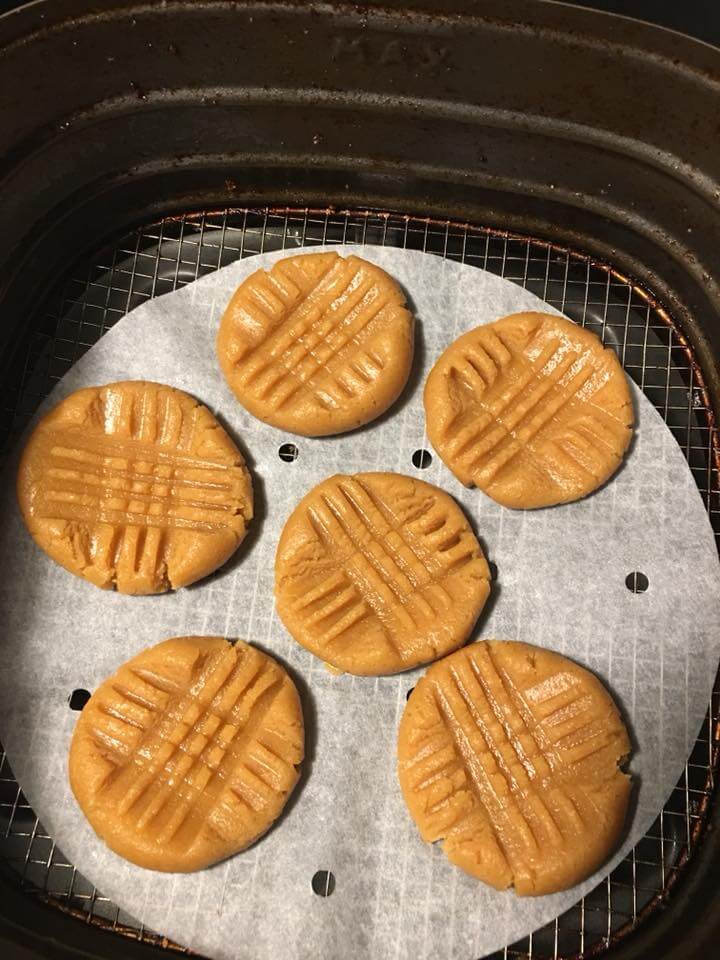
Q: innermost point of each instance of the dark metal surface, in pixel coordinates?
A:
(163, 256)
(699, 19)
(556, 121)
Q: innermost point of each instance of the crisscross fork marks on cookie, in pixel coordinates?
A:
(526, 770)
(522, 411)
(290, 324)
(269, 298)
(136, 425)
(129, 494)
(391, 580)
(319, 355)
(205, 721)
(149, 475)
(136, 481)
(442, 545)
(315, 339)
(413, 557)
(197, 747)
(488, 782)
(188, 753)
(383, 564)
(364, 563)
(568, 706)
(225, 761)
(531, 409)
(518, 786)
(483, 371)
(480, 772)
(177, 716)
(535, 765)
(541, 750)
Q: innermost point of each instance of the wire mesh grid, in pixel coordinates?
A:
(175, 251)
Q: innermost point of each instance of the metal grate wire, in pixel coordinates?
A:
(166, 255)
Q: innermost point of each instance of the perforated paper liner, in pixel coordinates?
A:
(561, 584)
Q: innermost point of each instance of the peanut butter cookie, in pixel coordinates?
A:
(531, 409)
(509, 754)
(188, 753)
(319, 344)
(134, 486)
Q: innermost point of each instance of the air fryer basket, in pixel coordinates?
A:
(155, 143)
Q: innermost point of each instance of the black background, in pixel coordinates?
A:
(699, 18)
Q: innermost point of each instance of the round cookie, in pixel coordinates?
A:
(509, 754)
(377, 573)
(134, 486)
(531, 409)
(319, 344)
(188, 753)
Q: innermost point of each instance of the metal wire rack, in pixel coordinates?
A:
(175, 251)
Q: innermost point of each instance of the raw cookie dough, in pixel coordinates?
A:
(509, 754)
(135, 486)
(532, 409)
(376, 573)
(188, 753)
(317, 345)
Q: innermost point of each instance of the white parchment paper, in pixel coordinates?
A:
(561, 584)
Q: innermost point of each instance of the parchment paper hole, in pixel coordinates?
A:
(323, 883)
(288, 452)
(407, 695)
(78, 698)
(637, 582)
(422, 459)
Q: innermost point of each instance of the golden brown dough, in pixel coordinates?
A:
(509, 754)
(317, 345)
(135, 486)
(532, 409)
(376, 573)
(188, 753)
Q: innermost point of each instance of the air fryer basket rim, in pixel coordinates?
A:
(597, 136)
(134, 112)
